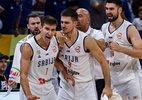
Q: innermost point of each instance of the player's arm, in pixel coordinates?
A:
(101, 44)
(26, 54)
(60, 38)
(97, 53)
(136, 40)
(59, 65)
(99, 37)
(15, 81)
(134, 37)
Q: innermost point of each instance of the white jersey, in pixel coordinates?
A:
(121, 65)
(41, 67)
(15, 70)
(97, 71)
(76, 60)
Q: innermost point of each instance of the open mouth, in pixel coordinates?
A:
(47, 37)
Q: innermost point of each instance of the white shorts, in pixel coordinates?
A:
(140, 81)
(131, 89)
(45, 94)
(55, 84)
(81, 91)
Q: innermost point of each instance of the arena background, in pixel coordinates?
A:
(8, 43)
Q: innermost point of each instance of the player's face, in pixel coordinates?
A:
(3, 65)
(34, 25)
(83, 19)
(48, 31)
(112, 12)
(67, 25)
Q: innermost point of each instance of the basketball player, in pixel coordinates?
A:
(84, 26)
(33, 25)
(123, 47)
(75, 56)
(37, 62)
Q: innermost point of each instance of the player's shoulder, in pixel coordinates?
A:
(105, 24)
(96, 31)
(125, 22)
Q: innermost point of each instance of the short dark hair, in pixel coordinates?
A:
(69, 12)
(116, 2)
(32, 15)
(3, 56)
(49, 20)
(140, 9)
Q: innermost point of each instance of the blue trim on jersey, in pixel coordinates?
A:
(19, 42)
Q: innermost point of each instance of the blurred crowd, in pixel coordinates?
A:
(13, 13)
(15, 19)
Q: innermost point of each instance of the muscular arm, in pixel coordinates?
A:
(24, 66)
(27, 53)
(135, 38)
(58, 64)
(101, 44)
(95, 51)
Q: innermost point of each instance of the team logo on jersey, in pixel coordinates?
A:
(135, 97)
(119, 35)
(38, 52)
(54, 49)
(14, 72)
(41, 81)
(77, 49)
(104, 34)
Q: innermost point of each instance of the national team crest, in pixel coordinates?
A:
(38, 53)
(54, 49)
(119, 35)
(104, 34)
(77, 49)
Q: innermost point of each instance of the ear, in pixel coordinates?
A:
(75, 23)
(40, 28)
(120, 9)
(27, 26)
(88, 20)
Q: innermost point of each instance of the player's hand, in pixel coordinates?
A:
(32, 97)
(69, 79)
(107, 91)
(12, 83)
(115, 46)
(16, 33)
(61, 38)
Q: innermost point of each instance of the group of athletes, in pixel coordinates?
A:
(91, 62)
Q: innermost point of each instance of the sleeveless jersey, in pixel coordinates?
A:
(42, 64)
(15, 70)
(76, 60)
(97, 71)
(121, 65)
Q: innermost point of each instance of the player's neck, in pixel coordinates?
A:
(71, 37)
(41, 42)
(115, 24)
(85, 29)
